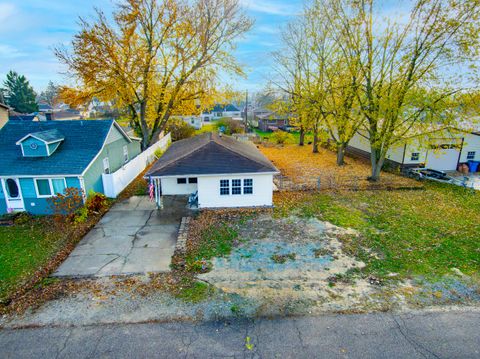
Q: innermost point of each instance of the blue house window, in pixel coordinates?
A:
(48, 187)
(224, 187)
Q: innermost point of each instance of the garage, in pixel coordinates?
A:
(443, 156)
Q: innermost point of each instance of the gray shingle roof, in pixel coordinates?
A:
(210, 154)
(49, 136)
(83, 140)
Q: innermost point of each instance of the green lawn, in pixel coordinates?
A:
(413, 232)
(294, 138)
(23, 250)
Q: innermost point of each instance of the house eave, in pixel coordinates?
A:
(214, 174)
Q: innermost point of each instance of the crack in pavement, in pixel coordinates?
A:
(64, 346)
(415, 344)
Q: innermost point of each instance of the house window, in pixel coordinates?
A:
(224, 187)
(181, 180)
(248, 186)
(58, 186)
(415, 156)
(47, 187)
(43, 188)
(471, 155)
(106, 166)
(193, 180)
(236, 186)
(125, 154)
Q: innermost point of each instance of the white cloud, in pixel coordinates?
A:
(270, 7)
(6, 11)
(10, 52)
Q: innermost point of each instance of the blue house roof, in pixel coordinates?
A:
(82, 141)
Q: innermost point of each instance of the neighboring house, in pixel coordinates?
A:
(65, 115)
(41, 159)
(3, 114)
(194, 121)
(441, 150)
(220, 111)
(44, 107)
(224, 171)
(271, 121)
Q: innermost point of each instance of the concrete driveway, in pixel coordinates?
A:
(132, 238)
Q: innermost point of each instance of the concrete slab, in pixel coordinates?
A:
(129, 239)
(143, 260)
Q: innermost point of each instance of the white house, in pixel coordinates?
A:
(220, 111)
(224, 171)
(194, 121)
(442, 150)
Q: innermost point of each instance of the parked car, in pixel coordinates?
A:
(430, 174)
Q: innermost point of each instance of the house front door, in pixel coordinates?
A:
(13, 194)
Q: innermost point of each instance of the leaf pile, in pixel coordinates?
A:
(304, 170)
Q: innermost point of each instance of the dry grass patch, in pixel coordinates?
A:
(302, 168)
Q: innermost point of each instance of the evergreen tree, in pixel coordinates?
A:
(18, 93)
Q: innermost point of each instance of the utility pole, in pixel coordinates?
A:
(246, 111)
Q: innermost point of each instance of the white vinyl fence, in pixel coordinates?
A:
(114, 183)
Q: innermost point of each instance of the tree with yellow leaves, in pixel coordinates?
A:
(157, 59)
(404, 65)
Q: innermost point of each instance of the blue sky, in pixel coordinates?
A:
(30, 28)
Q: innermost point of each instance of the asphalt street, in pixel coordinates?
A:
(382, 335)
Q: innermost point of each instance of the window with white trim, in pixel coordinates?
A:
(248, 186)
(193, 180)
(224, 187)
(236, 186)
(181, 180)
(48, 187)
(106, 166)
(415, 156)
(125, 154)
(470, 155)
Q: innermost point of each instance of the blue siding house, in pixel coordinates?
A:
(40, 159)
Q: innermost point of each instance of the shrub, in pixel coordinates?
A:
(179, 129)
(281, 137)
(65, 205)
(230, 126)
(159, 152)
(96, 202)
(81, 215)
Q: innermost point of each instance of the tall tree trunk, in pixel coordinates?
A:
(144, 126)
(341, 154)
(377, 160)
(315, 142)
(301, 141)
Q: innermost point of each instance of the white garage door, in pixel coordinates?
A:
(443, 157)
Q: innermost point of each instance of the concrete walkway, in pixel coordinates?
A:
(132, 238)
